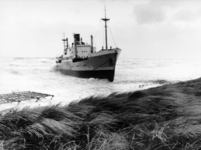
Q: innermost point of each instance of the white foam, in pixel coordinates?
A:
(131, 74)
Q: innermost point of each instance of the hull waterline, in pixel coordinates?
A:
(99, 74)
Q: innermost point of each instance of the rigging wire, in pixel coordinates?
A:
(112, 34)
(97, 28)
(97, 31)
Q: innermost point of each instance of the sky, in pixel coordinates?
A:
(141, 28)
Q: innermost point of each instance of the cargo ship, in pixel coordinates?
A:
(82, 60)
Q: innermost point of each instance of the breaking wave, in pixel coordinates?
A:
(40, 74)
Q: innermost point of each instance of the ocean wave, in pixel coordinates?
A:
(15, 72)
(19, 58)
(130, 75)
(98, 80)
(54, 69)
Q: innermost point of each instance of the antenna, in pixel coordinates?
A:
(105, 11)
(105, 19)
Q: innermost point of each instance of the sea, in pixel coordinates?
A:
(132, 74)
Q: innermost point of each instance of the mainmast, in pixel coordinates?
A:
(105, 19)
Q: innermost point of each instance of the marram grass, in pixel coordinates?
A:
(161, 118)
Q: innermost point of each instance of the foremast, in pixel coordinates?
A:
(105, 19)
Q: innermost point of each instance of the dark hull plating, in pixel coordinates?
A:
(101, 67)
(100, 74)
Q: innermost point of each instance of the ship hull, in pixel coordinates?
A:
(100, 65)
(99, 74)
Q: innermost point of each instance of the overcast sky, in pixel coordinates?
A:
(141, 28)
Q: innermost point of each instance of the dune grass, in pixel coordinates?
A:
(161, 118)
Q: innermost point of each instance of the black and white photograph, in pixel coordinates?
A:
(100, 74)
